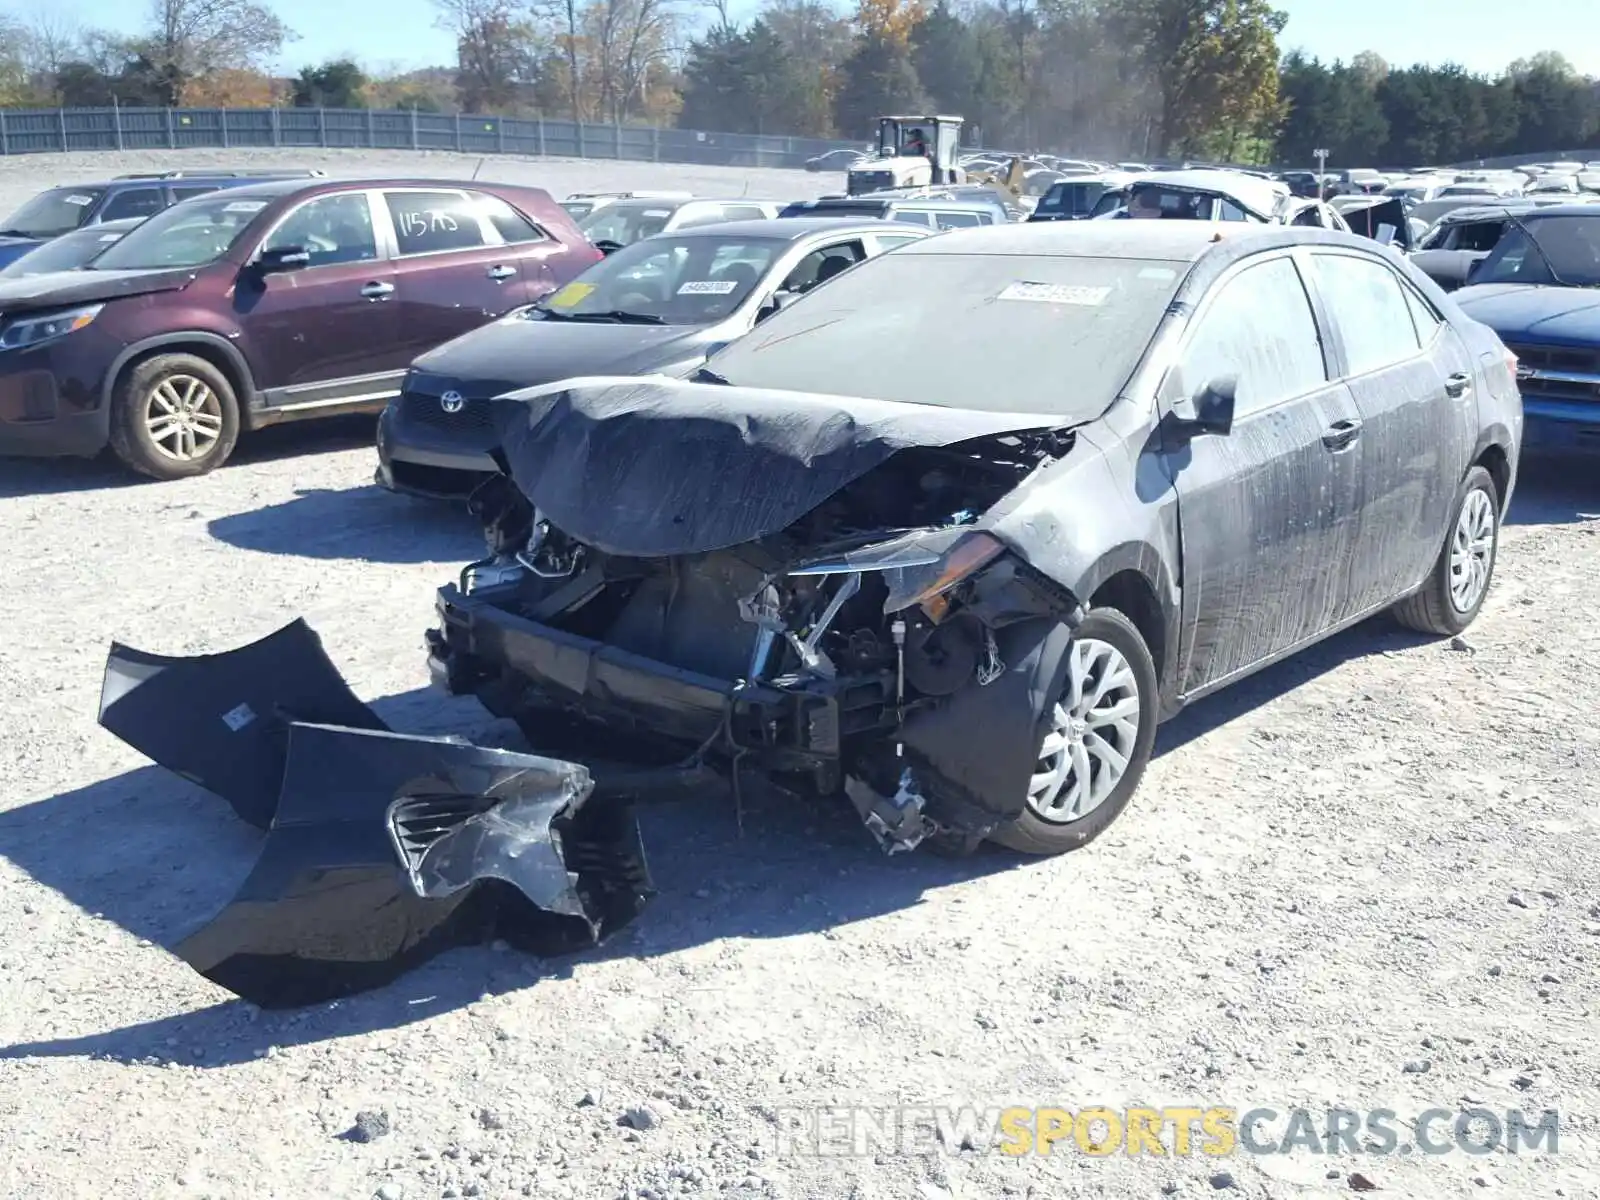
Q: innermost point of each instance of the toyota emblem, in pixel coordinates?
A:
(452, 402)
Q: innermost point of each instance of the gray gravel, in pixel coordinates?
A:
(1309, 895)
(24, 174)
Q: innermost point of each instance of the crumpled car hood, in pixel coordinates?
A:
(653, 466)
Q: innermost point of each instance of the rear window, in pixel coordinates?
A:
(1070, 199)
(52, 213)
(930, 329)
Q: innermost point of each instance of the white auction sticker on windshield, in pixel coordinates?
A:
(708, 287)
(79, 201)
(244, 206)
(1055, 293)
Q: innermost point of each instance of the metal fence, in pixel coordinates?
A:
(39, 131)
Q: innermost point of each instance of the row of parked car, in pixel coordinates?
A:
(164, 316)
(247, 301)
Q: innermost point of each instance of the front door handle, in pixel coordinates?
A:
(1341, 434)
(1458, 385)
(378, 291)
(500, 272)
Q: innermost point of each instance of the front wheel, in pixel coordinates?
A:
(173, 416)
(1459, 582)
(1096, 740)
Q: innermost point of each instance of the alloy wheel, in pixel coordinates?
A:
(1091, 736)
(1472, 550)
(183, 417)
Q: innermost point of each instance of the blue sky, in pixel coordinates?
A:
(1483, 35)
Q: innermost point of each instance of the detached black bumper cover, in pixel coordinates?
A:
(382, 849)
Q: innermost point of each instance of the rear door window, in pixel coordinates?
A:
(956, 220)
(193, 189)
(1368, 303)
(134, 202)
(427, 222)
(823, 264)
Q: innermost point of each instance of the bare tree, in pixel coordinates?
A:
(188, 39)
(53, 38)
(496, 47)
(566, 20)
(627, 38)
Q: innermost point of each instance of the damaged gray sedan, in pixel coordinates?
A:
(843, 557)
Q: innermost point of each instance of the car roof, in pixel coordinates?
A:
(916, 203)
(1545, 211)
(1249, 191)
(1167, 241)
(287, 187)
(790, 228)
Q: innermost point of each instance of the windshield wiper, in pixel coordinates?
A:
(707, 375)
(620, 315)
(23, 233)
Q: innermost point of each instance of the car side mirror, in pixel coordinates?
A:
(1212, 407)
(283, 258)
(774, 303)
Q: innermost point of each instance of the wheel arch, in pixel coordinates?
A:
(1493, 457)
(1133, 579)
(216, 350)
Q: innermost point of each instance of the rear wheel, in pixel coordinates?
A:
(173, 416)
(1097, 739)
(1459, 581)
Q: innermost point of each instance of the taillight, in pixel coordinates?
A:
(1511, 364)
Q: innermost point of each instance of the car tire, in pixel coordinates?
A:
(1459, 583)
(173, 416)
(1105, 641)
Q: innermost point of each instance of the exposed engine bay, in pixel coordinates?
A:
(829, 637)
(682, 585)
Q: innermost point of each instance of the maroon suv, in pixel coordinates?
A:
(262, 304)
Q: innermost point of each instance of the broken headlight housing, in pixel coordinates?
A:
(919, 566)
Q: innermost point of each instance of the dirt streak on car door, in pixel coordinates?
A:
(1268, 509)
(1413, 379)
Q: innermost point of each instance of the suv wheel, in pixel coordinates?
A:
(173, 416)
(1096, 740)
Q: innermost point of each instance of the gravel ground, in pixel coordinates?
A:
(24, 174)
(1362, 879)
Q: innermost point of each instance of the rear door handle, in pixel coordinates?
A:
(500, 272)
(1341, 434)
(1458, 385)
(378, 291)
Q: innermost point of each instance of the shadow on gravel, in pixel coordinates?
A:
(56, 476)
(364, 523)
(1554, 491)
(165, 856)
(1378, 635)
